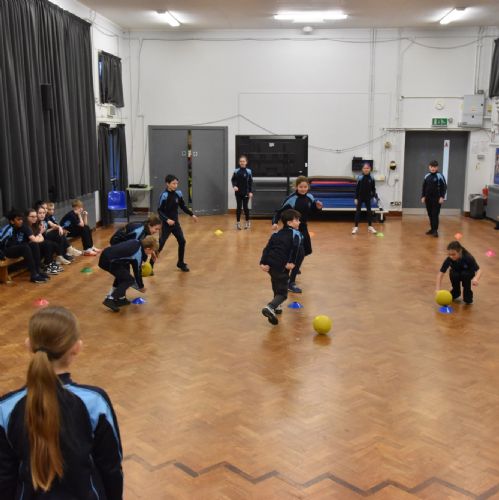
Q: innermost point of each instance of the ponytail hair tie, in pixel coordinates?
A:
(42, 349)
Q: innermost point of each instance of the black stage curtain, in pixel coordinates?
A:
(48, 146)
(119, 153)
(494, 72)
(105, 184)
(110, 80)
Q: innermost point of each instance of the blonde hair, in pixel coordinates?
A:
(150, 242)
(76, 203)
(52, 332)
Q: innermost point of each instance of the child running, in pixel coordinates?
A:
(464, 271)
(302, 201)
(169, 203)
(279, 257)
(242, 182)
(58, 439)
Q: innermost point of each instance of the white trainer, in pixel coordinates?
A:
(61, 260)
(355, 230)
(371, 230)
(74, 252)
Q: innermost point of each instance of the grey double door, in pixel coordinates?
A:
(198, 157)
(450, 150)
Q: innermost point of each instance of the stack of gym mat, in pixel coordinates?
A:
(336, 193)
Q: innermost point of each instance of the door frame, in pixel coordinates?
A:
(225, 131)
(443, 211)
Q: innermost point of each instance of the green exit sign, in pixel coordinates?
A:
(439, 122)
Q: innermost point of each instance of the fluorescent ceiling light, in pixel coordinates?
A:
(168, 18)
(453, 15)
(310, 16)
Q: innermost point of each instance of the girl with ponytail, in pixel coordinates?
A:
(464, 271)
(58, 439)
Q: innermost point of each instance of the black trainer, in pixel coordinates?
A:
(112, 304)
(183, 267)
(38, 279)
(435, 234)
(278, 310)
(430, 231)
(269, 313)
(123, 302)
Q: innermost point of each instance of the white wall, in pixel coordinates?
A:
(340, 87)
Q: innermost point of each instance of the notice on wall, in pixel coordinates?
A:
(496, 169)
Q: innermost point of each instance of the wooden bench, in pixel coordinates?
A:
(5, 277)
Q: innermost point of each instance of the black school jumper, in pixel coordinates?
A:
(462, 271)
(306, 204)
(364, 192)
(434, 188)
(71, 222)
(169, 203)
(90, 446)
(117, 260)
(283, 247)
(242, 178)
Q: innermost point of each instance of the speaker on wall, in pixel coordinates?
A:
(47, 96)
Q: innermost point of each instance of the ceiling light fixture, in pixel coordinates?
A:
(168, 18)
(310, 16)
(453, 15)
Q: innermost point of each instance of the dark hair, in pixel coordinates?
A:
(368, 164)
(289, 215)
(14, 214)
(301, 179)
(170, 178)
(53, 331)
(434, 163)
(152, 220)
(242, 156)
(455, 245)
(28, 211)
(38, 204)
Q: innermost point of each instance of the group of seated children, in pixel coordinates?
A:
(42, 242)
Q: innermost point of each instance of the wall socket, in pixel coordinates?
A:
(395, 203)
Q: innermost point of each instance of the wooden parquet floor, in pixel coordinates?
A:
(397, 402)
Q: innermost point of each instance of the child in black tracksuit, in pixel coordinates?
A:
(365, 191)
(58, 439)
(433, 195)
(242, 182)
(17, 240)
(169, 203)
(76, 224)
(464, 271)
(281, 255)
(137, 230)
(117, 260)
(305, 203)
